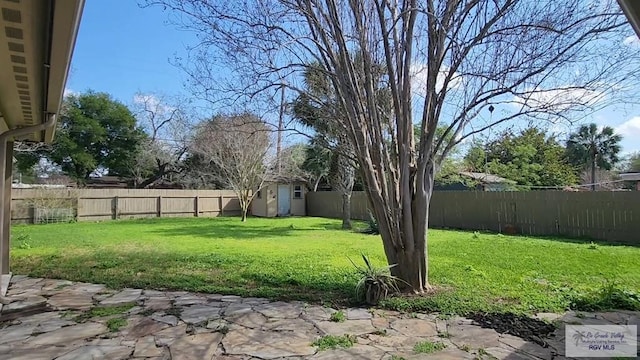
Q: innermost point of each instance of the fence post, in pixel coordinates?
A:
(197, 206)
(221, 212)
(160, 206)
(77, 208)
(115, 208)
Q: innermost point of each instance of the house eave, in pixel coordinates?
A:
(37, 41)
(631, 9)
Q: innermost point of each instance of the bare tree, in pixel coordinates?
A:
(607, 180)
(53, 202)
(237, 147)
(27, 157)
(24, 147)
(446, 62)
(166, 122)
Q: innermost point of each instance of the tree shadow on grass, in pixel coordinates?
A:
(204, 272)
(556, 238)
(227, 230)
(232, 228)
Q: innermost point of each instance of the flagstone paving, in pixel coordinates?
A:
(63, 320)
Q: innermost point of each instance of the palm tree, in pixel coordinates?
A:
(589, 147)
(318, 110)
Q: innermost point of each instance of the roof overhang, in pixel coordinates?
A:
(630, 176)
(37, 38)
(631, 9)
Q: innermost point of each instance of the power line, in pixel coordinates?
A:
(561, 187)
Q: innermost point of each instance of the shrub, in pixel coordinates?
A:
(337, 316)
(372, 225)
(376, 283)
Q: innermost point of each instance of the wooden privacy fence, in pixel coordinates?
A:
(29, 205)
(609, 216)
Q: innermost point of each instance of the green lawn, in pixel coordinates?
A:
(307, 259)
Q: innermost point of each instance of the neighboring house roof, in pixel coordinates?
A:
(486, 178)
(635, 176)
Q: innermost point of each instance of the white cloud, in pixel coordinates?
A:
(559, 128)
(419, 75)
(631, 40)
(68, 92)
(561, 99)
(630, 128)
(149, 99)
(152, 102)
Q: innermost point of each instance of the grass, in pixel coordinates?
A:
(116, 324)
(332, 342)
(307, 259)
(428, 347)
(338, 316)
(103, 311)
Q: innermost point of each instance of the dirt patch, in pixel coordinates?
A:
(518, 325)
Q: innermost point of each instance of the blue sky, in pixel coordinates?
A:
(123, 49)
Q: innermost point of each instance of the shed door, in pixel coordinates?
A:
(284, 200)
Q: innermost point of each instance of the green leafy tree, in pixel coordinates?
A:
(95, 132)
(594, 149)
(531, 158)
(476, 157)
(633, 163)
(25, 163)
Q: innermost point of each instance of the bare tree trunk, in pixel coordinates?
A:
(342, 179)
(244, 207)
(407, 250)
(245, 202)
(346, 210)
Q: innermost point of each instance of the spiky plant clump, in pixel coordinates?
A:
(376, 283)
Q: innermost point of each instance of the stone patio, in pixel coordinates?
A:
(51, 319)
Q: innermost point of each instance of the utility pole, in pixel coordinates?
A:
(486, 158)
(280, 126)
